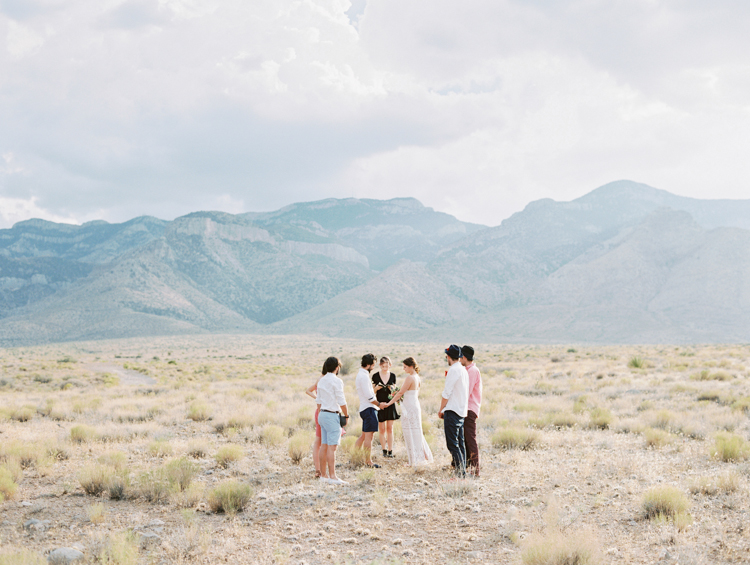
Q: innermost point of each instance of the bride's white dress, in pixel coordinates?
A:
(417, 449)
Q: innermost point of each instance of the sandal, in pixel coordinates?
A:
(317, 474)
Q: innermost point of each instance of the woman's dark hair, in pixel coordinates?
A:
(410, 362)
(368, 359)
(330, 365)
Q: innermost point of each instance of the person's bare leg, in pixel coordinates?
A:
(323, 459)
(316, 454)
(381, 435)
(389, 425)
(360, 441)
(367, 445)
(331, 459)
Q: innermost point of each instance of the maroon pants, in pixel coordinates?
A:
(470, 438)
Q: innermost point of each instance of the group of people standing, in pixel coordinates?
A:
(378, 396)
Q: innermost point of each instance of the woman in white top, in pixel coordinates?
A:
(417, 449)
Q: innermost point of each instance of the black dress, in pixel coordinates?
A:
(388, 413)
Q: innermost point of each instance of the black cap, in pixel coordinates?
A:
(453, 351)
(468, 352)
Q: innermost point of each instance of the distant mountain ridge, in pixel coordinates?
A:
(624, 263)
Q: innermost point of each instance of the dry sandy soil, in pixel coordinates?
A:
(599, 427)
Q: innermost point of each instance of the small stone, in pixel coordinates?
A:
(34, 524)
(409, 553)
(473, 537)
(612, 551)
(398, 541)
(64, 556)
(475, 555)
(24, 503)
(155, 522)
(349, 540)
(149, 538)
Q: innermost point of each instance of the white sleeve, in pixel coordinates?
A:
(450, 384)
(340, 397)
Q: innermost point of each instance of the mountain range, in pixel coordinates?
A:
(625, 263)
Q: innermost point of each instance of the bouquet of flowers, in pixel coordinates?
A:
(394, 390)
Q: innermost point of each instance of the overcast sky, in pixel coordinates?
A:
(112, 109)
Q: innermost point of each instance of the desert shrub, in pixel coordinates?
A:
(358, 456)
(115, 459)
(229, 454)
(57, 452)
(555, 548)
(271, 435)
(118, 549)
(600, 418)
(725, 483)
(95, 513)
(656, 437)
(458, 489)
(230, 497)
(83, 434)
(709, 396)
(190, 497)
(580, 404)
(299, 446)
(117, 485)
(662, 419)
(515, 438)
(8, 486)
(366, 476)
(160, 448)
(664, 502)
(706, 375)
(199, 412)
(23, 414)
(26, 455)
(181, 472)
(14, 468)
(22, 557)
(729, 447)
(636, 362)
(563, 420)
(95, 478)
(197, 449)
(239, 422)
(742, 404)
(155, 486)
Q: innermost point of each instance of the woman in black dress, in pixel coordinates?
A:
(383, 383)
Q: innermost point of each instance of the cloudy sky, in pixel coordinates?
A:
(112, 109)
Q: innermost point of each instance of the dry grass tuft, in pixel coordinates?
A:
(199, 412)
(726, 483)
(118, 549)
(557, 548)
(299, 446)
(665, 502)
(729, 447)
(8, 485)
(160, 448)
(458, 488)
(228, 454)
(95, 513)
(197, 449)
(22, 557)
(94, 479)
(271, 435)
(600, 418)
(181, 472)
(515, 438)
(230, 497)
(657, 438)
(83, 434)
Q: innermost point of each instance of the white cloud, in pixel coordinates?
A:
(162, 107)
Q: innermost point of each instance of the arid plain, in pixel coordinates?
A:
(197, 450)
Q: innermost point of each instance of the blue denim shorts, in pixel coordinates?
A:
(369, 420)
(330, 428)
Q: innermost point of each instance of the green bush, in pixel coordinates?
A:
(272, 435)
(636, 363)
(600, 418)
(94, 479)
(230, 497)
(199, 411)
(656, 438)
(160, 448)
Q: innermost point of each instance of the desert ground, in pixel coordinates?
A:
(197, 450)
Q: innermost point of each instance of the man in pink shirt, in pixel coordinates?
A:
(475, 401)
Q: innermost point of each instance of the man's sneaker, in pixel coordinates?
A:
(326, 480)
(374, 465)
(338, 482)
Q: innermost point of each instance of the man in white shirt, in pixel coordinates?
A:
(454, 407)
(332, 405)
(368, 408)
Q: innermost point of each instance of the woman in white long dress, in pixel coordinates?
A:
(417, 449)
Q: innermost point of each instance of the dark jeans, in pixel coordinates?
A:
(472, 449)
(454, 439)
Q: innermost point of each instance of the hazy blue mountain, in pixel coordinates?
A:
(624, 263)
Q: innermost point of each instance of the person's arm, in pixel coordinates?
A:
(408, 383)
(443, 402)
(341, 398)
(312, 392)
